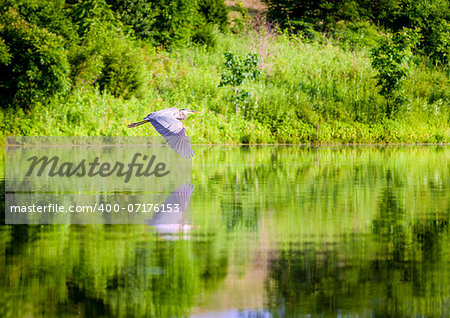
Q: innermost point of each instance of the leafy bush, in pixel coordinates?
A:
(237, 70)
(356, 34)
(310, 91)
(321, 14)
(205, 35)
(107, 57)
(49, 14)
(307, 17)
(391, 58)
(437, 43)
(212, 16)
(174, 21)
(92, 15)
(121, 75)
(139, 15)
(34, 61)
(433, 19)
(5, 56)
(214, 12)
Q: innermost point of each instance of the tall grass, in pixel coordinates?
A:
(309, 93)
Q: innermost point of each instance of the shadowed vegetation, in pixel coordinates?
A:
(91, 67)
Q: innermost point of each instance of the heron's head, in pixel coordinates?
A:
(185, 112)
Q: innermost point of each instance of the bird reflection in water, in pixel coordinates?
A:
(170, 223)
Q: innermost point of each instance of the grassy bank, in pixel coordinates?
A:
(308, 93)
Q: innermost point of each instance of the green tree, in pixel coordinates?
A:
(310, 16)
(139, 15)
(33, 64)
(214, 12)
(174, 21)
(390, 58)
(433, 19)
(302, 15)
(237, 70)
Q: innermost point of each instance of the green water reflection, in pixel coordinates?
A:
(278, 232)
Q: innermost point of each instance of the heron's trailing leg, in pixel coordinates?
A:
(138, 123)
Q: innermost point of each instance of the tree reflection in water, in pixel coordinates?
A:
(278, 231)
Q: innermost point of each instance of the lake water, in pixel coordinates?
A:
(274, 231)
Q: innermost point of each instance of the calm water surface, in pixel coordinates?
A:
(275, 232)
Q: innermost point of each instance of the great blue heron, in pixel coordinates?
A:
(168, 123)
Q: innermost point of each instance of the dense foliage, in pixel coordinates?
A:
(391, 59)
(432, 17)
(237, 70)
(46, 47)
(91, 67)
(35, 61)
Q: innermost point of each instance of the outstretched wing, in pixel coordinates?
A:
(178, 201)
(166, 123)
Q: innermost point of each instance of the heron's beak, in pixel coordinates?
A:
(194, 111)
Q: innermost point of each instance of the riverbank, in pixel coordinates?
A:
(308, 93)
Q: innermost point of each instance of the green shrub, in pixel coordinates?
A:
(212, 16)
(390, 58)
(205, 35)
(107, 58)
(34, 64)
(437, 43)
(121, 75)
(138, 14)
(214, 12)
(311, 16)
(5, 56)
(320, 14)
(49, 14)
(175, 21)
(294, 130)
(433, 20)
(356, 34)
(237, 71)
(92, 15)
(308, 93)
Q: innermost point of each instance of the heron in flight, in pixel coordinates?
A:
(168, 123)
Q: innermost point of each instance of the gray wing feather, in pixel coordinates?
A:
(166, 123)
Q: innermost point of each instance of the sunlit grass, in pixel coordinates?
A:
(309, 93)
